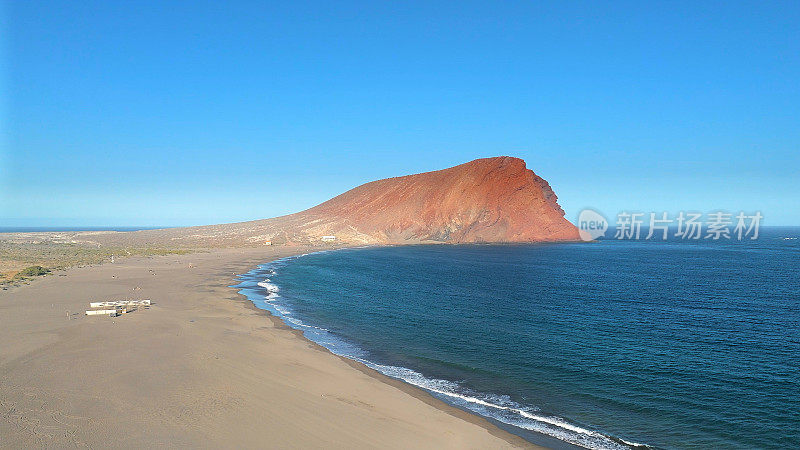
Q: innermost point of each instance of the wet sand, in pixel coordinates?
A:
(202, 367)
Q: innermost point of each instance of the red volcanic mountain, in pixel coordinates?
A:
(486, 200)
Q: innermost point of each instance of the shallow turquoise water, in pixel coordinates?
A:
(668, 344)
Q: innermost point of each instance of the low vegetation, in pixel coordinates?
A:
(32, 271)
(22, 260)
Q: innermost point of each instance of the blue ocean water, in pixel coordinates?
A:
(602, 345)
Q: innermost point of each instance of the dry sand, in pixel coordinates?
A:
(200, 368)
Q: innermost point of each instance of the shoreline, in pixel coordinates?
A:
(48, 399)
(531, 437)
(414, 391)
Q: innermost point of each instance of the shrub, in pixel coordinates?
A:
(32, 271)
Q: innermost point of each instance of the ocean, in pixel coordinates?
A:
(10, 229)
(614, 344)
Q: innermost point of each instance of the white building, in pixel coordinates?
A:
(328, 238)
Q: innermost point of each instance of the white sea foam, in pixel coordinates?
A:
(282, 310)
(550, 425)
(300, 323)
(270, 287)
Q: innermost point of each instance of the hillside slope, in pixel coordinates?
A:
(486, 200)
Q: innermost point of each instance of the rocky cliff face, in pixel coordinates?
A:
(486, 200)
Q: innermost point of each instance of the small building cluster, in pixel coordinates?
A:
(116, 308)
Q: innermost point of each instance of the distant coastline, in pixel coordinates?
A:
(85, 228)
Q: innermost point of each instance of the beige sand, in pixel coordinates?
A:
(200, 368)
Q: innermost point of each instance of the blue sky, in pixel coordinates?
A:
(171, 113)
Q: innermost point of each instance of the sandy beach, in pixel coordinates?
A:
(201, 367)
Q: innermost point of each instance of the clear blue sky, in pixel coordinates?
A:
(172, 113)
